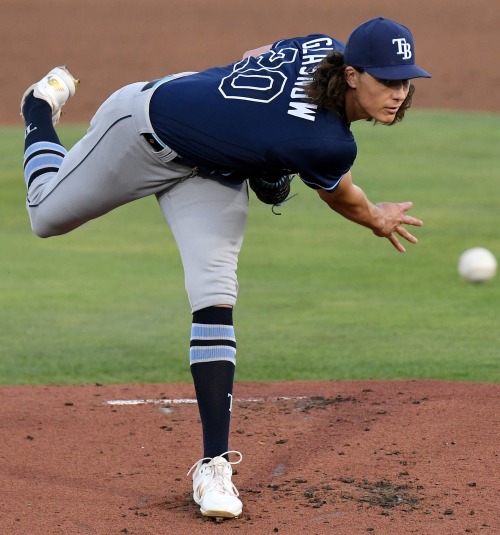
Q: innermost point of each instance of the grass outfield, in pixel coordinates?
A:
(320, 298)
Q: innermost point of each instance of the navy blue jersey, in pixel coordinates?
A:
(253, 115)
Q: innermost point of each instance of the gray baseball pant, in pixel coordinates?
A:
(113, 165)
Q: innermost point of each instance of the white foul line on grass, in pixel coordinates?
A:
(188, 401)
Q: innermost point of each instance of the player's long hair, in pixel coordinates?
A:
(328, 87)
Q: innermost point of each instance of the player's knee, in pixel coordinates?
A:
(40, 230)
(206, 291)
(46, 229)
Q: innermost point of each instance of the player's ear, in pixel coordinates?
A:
(351, 76)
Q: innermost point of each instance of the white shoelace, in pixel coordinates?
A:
(218, 474)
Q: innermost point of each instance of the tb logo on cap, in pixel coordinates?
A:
(404, 48)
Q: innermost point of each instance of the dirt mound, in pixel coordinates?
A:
(386, 457)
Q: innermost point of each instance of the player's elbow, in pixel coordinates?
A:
(329, 197)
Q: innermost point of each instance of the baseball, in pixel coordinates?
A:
(477, 265)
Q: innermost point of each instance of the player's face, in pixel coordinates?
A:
(374, 98)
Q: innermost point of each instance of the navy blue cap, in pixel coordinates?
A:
(385, 49)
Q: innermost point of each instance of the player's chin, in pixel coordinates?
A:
(387, 115)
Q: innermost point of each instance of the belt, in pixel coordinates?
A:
(153, 142)
(149, 137)
(149, 85)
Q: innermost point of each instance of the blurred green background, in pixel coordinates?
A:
(320, 297)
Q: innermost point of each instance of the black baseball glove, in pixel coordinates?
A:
(271, 187)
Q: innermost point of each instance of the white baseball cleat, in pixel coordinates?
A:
(213, 489)
(55, 88)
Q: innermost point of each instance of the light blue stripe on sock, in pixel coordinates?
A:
(201, 331)
(218, 349)
(211, 353)
(43, 160)
(43, 145)
(40, 162)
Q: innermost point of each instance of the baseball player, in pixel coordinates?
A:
(195, 140)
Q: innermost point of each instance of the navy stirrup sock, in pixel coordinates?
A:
(212, 359)
(43, 152)
(38, 117)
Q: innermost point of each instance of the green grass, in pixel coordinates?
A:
(320, 298)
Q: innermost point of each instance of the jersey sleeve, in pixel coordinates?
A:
(318, 167)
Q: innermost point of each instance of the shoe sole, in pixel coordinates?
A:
(220, 514)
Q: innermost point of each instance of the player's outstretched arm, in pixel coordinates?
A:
(385, 219)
